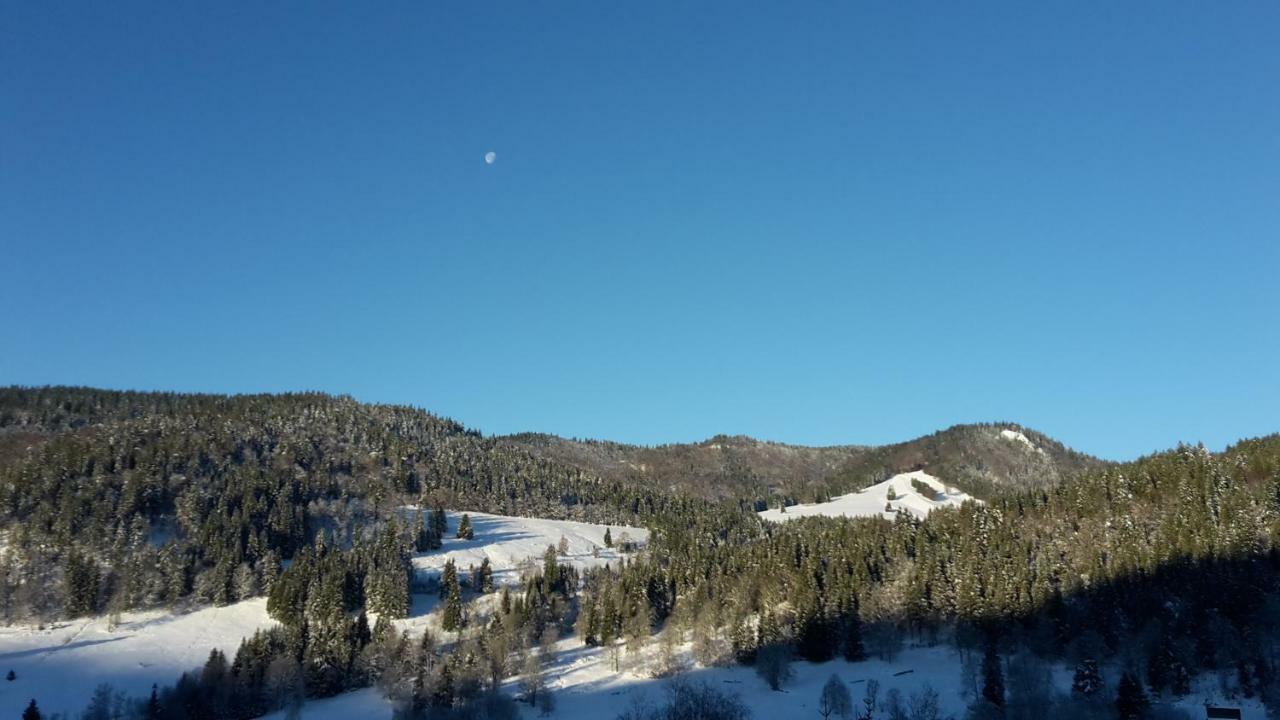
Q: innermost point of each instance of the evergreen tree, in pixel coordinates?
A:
(151, 711)
(32, 712)
(464, 528)
(852, 645)
(1131, 700)
(439, 522)
(992, 676)
(1087, 680)
(835, 699)
(452, 619)
(81, 585)
(608, 537)
(448, 578)
(483, 579)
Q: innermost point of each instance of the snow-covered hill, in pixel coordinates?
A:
(61, 664)
(877, 500)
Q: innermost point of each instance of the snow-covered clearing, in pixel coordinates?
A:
(511, 542)
(872, 501)
(61, 665)
(1018, 437)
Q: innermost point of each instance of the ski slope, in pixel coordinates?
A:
(872, 501)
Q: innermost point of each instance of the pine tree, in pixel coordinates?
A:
(1131, 700)
(448, 577)
(439, 522)
(835, 699)
(853, 648)
(152, 709)
(608, 537)
(452, 619)
(464, 528)
(483, 580)
(32, 712)
(363, 635)
(1087, 680)
(81, 584)
(992, 676)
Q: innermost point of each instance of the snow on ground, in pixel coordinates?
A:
(1016, 436)
(871, 502)
(513, 542)
(587, 688)
(61, 665)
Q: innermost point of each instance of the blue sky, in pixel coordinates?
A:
(849, 222)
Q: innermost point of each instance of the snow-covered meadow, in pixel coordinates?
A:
(512, 543)
(873, 501)
(61, 664)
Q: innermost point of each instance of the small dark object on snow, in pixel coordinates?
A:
(1221, 713)
(904, 672)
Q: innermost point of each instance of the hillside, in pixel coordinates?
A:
(718, 468)
(980, 459)
(153, 498)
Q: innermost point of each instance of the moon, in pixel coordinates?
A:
(490, 157)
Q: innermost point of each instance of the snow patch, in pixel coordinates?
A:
(1016, 436)
(513, 543)
(61, 665)
(872, 501)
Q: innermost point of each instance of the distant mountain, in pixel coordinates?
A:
(722, 467)
(980, 459)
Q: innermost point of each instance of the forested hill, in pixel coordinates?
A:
(981, 459)
(722, 467)
(195, 488)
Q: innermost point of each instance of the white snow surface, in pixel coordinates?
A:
(1016, 436)
(587, 688)
(511, 542)
(61, 665)
(871, 502)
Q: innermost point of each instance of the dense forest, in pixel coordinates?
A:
(117, 500)
(1163, 568)
(975, 458)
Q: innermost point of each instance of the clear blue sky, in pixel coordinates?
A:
(847, 222)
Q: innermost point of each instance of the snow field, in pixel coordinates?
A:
(871, 502)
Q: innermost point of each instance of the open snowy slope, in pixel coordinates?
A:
(61, 665)
(511, 542)
(872, 501)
